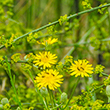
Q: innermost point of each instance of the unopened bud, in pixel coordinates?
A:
(18, 108)
(25, 58)
(1, 107)
(4, 101)
(44, 91)
(108, 92)
(63, 97)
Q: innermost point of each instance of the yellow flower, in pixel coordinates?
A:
(50, 78)
(49, 41)
(45, 59)
(81, 68)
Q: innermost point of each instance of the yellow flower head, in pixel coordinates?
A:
(45, 59)
(81, 68)
(49, 41)
(50, 78)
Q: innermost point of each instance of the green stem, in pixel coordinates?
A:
(72, 92)
(12, 82)
(21, 61)
(51, 97)
(59, 90)
(97, 88)
(108, 99)
(69, 45)
(82, 43)
(45, 102)
(38, 90)
(56, 22)
(56, 107)
(25, 104)
(91, 80)
(104, 74)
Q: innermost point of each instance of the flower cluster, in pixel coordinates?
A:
(7, 42)
(47, 78)
(51, 29)
(102, 9)
(32, 37)
(29, 57)
(68, 59)
(51, 78)
(97, 105)
(99, 69)
(63, 19)
(26, 67)
(86, 4)
(83, 101)
(107, 81)
(15, 57)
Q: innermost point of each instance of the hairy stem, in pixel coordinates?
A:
(56, 22)
(72, 92)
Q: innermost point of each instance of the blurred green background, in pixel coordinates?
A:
(18, 17)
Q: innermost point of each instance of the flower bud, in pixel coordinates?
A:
(18, 108)
(44, 91)
(25, 58)
(4, 101)
(63, 97)
(1, 107)
(108, 92)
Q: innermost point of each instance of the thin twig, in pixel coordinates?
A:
(56, 22)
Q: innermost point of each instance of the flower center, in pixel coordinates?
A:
(80, 69)
(45, 59)
(49, 78)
